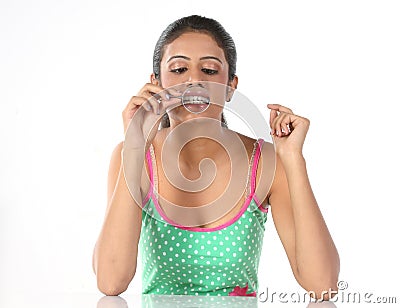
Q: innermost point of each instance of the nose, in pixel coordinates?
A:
(194, 77)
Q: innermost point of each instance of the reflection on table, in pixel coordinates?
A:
(169, 301)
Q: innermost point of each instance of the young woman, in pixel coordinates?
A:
(201, 254)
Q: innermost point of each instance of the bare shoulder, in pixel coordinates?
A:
(265, 172)
(268, 157)
(266, 167)
(247, 141)
(279, 188)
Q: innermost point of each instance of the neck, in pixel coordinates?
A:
(198, 138)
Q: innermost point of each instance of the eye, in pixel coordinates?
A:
(178, 70)
(209, 71)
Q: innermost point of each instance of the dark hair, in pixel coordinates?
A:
(195, 23)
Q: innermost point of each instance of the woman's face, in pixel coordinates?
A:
(194, 58)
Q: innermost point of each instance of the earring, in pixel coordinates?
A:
(229, 94)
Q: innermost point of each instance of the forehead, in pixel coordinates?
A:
(194, 45)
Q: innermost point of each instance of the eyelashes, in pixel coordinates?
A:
(181, 70)
(209, 71)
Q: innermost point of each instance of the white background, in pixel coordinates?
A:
(68, 68)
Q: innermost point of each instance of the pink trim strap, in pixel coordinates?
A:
(150, 166)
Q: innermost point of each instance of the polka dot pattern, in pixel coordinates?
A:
(176, 261)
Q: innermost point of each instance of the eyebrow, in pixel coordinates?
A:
(187, 58)
(211, 57)
(179, 57)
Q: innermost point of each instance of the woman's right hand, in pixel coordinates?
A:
(143, 113)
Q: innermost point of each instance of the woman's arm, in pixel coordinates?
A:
(115, 253)
(300, 225)
(116, 250)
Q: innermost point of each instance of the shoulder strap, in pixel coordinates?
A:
(151, 165)
(254, 165)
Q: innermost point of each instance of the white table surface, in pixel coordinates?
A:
(97, 300)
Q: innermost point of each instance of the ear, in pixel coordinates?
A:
(232, 87)
(154, 80)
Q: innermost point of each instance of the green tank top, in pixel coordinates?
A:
(223, 260)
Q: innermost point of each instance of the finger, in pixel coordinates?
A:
(168, 95)
(160, 95)
(172, 93)
(153, 102)
(285, 124)
(149, 91)
(168, 105)
(280, 124)
(164, 99)
(150, 88)
(272, 116)
(279, 108)
(159, 103)
(135, 102)
(276, 125)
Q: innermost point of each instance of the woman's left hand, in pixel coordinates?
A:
(287, 129)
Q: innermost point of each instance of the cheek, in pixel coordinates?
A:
(223, 80)
(168, 80)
